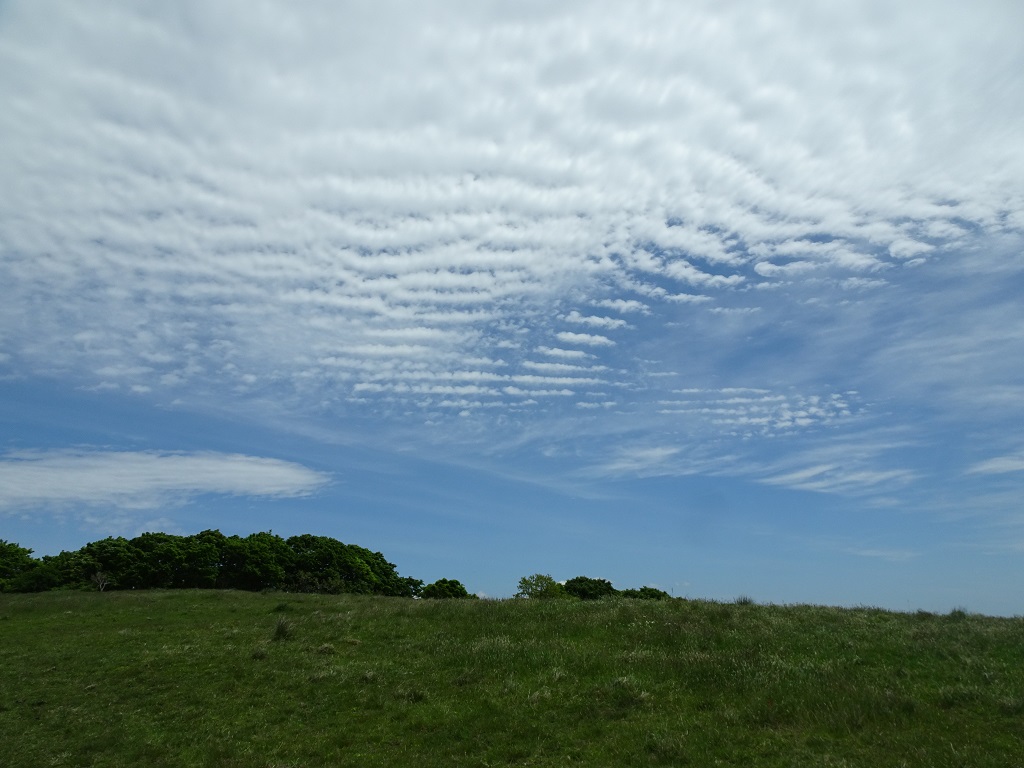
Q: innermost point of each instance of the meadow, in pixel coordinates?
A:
(233, 679)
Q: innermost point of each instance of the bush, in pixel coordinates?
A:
(586, 588)
(646, 593)
(540, 586)
(445, 589)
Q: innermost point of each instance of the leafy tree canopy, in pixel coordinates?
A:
(206, 560)
(445, 589)
(540, 586)
(586, 588)
(14, 561)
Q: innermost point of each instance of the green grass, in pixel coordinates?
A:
(240, 679)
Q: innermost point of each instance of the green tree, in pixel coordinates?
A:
(14, 562)
(411, 587)
(445, 589)
(385, 573)
(540, 586)
(68, 570)
(160, 562)
(586, 588)
(117, 559)
(203, 559)
(323, 564)
(259, 561)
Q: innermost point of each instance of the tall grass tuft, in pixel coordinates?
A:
(283, 629)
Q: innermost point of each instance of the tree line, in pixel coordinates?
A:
(211, 560)
(542, 586)
(259, 561)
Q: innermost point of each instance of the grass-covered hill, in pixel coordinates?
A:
(233, 678)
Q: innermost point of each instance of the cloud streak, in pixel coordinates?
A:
(143, 479)
(998, 466)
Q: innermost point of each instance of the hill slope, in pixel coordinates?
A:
(214, 678)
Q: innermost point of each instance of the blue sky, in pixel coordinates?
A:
(724, 299)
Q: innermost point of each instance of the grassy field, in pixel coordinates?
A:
(208, 678)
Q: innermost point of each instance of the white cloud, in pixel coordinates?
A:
(143, 480)
(891, 555)
(685, 298)
(586, 339)
(624, 305)
(746, 412)
(562, 367)
(642, 460)
(769, 269)
(572, 354)
(388, 209)
(593, 321)
(999, 465)
(802, 476)
(905, 248)
(275, 185)
(859, 463)
(842, 479)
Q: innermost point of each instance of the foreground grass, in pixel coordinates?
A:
(240, 679)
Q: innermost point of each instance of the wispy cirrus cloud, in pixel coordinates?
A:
(833, 478)
(643, 461)
(891, 555)
(999, 465)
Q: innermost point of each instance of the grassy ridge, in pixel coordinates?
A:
(209, 678)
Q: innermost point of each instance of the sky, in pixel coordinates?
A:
(721, 298)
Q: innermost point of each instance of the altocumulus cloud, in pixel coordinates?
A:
(143, 479)
(600, 247)
(502, 214)
(324, 197)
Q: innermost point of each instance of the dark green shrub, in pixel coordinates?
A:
(646, 593)
(445, 589)
(15, 562)
(586, 588)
